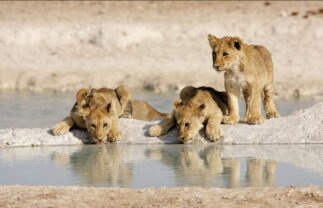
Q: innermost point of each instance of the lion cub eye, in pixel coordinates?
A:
(187, 124)
(93, 126)
(225, 54)
(105, 125)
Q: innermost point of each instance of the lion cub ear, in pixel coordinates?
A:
(236, 43)
(110, 108)
(80, 96)
(178, 103)
(212, 40)
(187, 93)
(202, 109)
(94, 90)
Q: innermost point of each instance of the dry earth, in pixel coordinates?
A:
(44, 196)
(159, 46)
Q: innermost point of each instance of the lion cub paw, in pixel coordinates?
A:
(255, 119)
(273, 114)
(214, 134)
(230, 120)
(154, 131)
(114, 136)
(60, 128)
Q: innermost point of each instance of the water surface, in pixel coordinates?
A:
(140, 166)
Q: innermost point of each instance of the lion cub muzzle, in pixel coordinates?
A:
(185, 140)
(100, 122)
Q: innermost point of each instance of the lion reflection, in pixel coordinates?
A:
(205, 166)
(261, 172)
(198, 165)
(102, 165)
(193, 165)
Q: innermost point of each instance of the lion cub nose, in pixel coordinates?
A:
(180, 138)
(216, 66)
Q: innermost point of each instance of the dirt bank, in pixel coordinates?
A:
(44, 196)
(153, 45)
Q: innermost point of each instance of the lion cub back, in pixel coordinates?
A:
(103, 96)
(205, 95)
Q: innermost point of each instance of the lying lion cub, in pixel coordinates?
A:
(94, 108)
(197, 107)
(250, 68)
(87, 99)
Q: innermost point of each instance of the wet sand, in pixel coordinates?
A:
(159, 46)
(49, 196)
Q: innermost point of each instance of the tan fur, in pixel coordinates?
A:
(90, 107)
(102, 123)
(76, 117)
(88, 101)
(141, 110)
(246, 67)
(197, 107)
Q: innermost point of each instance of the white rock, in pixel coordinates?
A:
(302, 127)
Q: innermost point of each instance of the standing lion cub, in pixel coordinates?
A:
(197, 107)
(246, 67)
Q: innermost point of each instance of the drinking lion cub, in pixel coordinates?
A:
(246, 67)
(98, 110)
(197, 107)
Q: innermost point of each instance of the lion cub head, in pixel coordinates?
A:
(101, 121)
(226, 52)
(189, 117)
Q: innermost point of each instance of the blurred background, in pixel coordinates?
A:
(159, 46)
(60, 46)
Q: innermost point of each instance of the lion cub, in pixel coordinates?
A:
(98, 110)
(246, 67)
(87, 99)
(197, 107)
(100, 106)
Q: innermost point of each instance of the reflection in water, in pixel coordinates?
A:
(100, 165)
(192, 165)
(168, 165)
(206, 166)
(198, 165)
(261, 172)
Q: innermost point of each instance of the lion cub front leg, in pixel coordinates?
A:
(163, 127)
(269, 104)
(63, 126)
(252, 96)
(233, 92)
(114, 133)
(213, 127)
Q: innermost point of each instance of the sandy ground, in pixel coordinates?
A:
(43, 196)
(158, 46)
